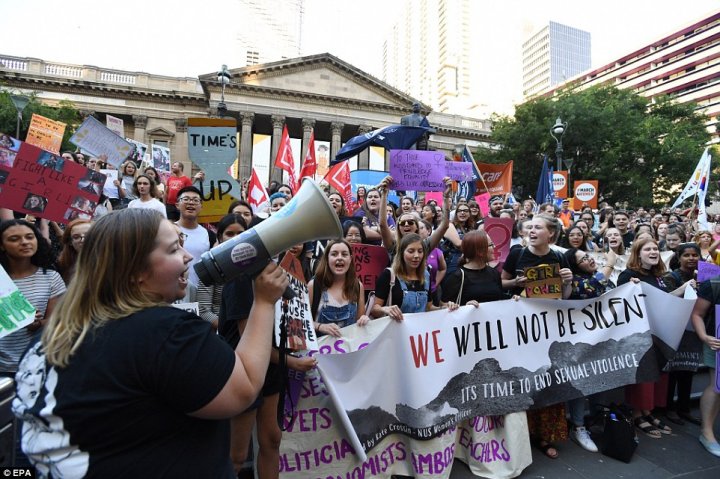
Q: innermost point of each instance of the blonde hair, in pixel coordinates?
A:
(105, 286)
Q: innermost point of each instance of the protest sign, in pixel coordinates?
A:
(498, 178)
(315, 444)
(707, 271)
(98, 140)
(586, 191)
(16, 312)
(501, 357)
(370, 179)
(160, 157)
(141, 153)
(560, 184)
(212, 146)
(482, 201)
(47, 186)
(437, 196)
(116, 125)
(500, 232)
(294, 314)
(417, 170)
(45, 133)
(459, 170)
(370, 261)
(543, 281)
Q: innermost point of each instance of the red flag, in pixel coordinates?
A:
(309, 167)
(339, 178)
(256, 194)
(284, 160)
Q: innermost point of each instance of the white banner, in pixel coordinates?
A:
(440, 368)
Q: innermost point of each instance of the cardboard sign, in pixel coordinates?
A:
(115, 125)
(417, 170)
(500, 232)
(45, 185)
(370, 261)
(16, 312)
(498, 178)
(482, 201)
(707, 271)
(586, 191)
(45, 133)
(560, 184)
(161, 158)
(98, 140)
(141, 153)
(213, 147)
(458, 170)
(294, 314)
(543, 281)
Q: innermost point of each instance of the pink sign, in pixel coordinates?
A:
(370, 261)
(482, 201)
(500, 232)
(434, 195)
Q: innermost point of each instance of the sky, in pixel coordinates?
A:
(182, 38)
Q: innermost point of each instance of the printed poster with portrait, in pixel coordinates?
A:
(161, 157)
(43, 184)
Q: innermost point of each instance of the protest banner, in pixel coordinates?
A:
(294, 314)
(47, 186)
(315, 444)
(543, 281)
(370, 261)
(16, 312)
(483, 202)
(459, 170)
(116, 125)
(502, 357)
(213, 147)
(45, 133)
(500, 232)
(417, 170)
(370, 179)
(95, 138)
(586, 191)
(496, 179)
(141, 153)
(707, 271)
(560, 183)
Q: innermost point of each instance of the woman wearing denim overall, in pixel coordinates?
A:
(342, 296)
(404, 288)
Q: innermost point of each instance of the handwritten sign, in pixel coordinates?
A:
(417, 170)
(458, 170)
(370, 261)
(482, 201)
(47, 186)
(707, 271)
(15, 310)
(543, 281)
(294, 314)
(45, 133)
(116, 125)
(96, 138)
(500, 232)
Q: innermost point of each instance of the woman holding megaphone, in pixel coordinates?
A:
(129, 383)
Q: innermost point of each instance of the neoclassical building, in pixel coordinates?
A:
(318, 92)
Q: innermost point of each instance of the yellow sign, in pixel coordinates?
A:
(46, 133)
(543, 281)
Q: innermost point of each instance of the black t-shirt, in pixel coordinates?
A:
(482, 285)
(705, 292)
(120, 409)
(236, 302)
(382, 287)
(628, 238)
(520, 258)
(625, 276)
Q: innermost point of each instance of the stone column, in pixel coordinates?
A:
(246, 122)
(308, 125)
(364, 156)
(335, 143)
(180, 150)
(278, 121)
(140, 122)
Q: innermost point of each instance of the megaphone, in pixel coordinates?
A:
(249, 253)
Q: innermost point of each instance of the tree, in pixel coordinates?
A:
(636, 149)
(64, 112)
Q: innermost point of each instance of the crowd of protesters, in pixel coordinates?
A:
(113, 357)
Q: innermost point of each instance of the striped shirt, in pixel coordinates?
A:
(38, 289)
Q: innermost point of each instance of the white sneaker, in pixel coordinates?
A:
(582, 437)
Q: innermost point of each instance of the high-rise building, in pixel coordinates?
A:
(268, 30)
(427, 54)
(552, 55)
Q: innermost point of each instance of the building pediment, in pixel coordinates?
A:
(321, 76)
(160, 132)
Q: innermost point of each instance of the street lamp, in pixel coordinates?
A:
(20, 102)
(557, 131)
(223, 77)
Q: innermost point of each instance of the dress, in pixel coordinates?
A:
(120, 409)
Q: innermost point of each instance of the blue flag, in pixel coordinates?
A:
(393, 137)
(466, 189)
(545, 190)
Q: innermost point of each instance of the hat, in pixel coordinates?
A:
(495, 198)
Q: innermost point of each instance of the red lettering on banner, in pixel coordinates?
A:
(420, 351)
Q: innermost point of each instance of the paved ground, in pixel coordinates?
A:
(678, 455)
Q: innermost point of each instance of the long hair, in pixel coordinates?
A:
(372, 217)
(124, 166)
(343, 210)
(347, 224)
(158, 181)
(566, 242)
(42, 258)
(105, 287)
(475, 246)
(227, 220)
(399, 266)
(154, 192)
(635, 264)
(69, 255)
(621, 248)
(324, 277)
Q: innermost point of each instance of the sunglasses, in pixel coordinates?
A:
(464, 210)
(407, 222)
